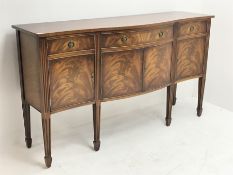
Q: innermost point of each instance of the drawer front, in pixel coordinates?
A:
(70, 44)
(190, 57)
(157, 66)
(71, 81)
(191, 28)
(130, 38)
(121, 73)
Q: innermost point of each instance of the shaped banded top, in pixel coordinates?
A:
(106, 24)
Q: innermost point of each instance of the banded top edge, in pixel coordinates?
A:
(105, 24)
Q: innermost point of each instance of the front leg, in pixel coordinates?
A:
(96, 124)
(27, 124)
(169, 105)
(201, 87)
(46, 125)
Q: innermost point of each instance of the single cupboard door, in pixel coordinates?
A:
(190, 57)
(71, 81)
(157, 67)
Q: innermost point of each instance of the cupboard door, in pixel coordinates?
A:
(190, 57)
(157, 66)
(71, 81)
(121, 73)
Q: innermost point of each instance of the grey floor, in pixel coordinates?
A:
(135, 142)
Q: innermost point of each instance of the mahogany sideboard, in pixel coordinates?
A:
(67, 64)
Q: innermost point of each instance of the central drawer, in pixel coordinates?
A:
(132, 38)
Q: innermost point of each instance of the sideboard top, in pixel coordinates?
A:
(105, 24)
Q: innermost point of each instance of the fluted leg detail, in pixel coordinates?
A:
(96, 124)
(46, 125)
(201, 87)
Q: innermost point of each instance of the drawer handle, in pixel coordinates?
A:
(124, 38)
(161, 34)
(71, 44)
(191, 29)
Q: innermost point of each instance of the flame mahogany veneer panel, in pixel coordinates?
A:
(157, 66)
(190, 57)
(71, 81)
(129, 38)
(70, 43)
(121, 73)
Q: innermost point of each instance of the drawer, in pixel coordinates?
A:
(70, 44)
(191, 28)
(131, 38)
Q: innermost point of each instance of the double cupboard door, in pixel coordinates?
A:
(135, 71)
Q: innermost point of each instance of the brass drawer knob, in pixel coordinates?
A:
(161, 34)
(71, 44)
(124, 38)
(191, 29)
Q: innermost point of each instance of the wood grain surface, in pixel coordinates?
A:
(157, 66)
(107, 24)
(72, 81)
(192, 27)
(190, 57)
(70, 43)
(130, 38)
(121, 73)
(31, 70)
(73, 63)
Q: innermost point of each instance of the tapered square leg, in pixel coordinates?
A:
(46, 125)
(201, 87)
(96, 124)
(169, 105)
(174, 95)
(27, 124)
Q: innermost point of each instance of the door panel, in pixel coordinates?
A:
(121, 73)
(190, 57)
(72, 81)
(157, 66)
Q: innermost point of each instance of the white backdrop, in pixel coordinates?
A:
(219, 87)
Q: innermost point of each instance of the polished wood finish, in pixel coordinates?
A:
(108, 24)
(71, 81)
(121, 73)
(97, 105)
(63, 65)
(169, 105)
(157, 66)
(131, 38)
(188, 28)
(25, 105)
(46, 126)
(201, 82)
(31, 72)
(190, 57)
(70, 43)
